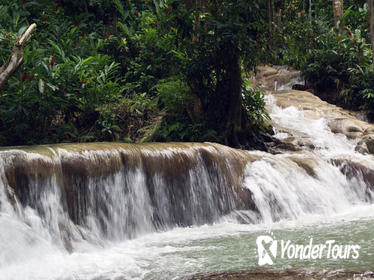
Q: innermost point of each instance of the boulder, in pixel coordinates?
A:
(349, 127)
(368, 142)
(305, 164)
(354, 169)
(265, 71)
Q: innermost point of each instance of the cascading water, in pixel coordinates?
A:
(118, 211)
(121, 191)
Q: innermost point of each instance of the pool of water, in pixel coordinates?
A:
(187, 251)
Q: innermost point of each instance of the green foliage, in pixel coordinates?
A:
(66, 84)
(335, 61)
(211, 44)
(361, 87)
(342, 63)
(254, 104)
(175, 96)
(129, 118)
(98, 70)
(296, 40)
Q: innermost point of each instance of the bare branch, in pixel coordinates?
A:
(337, 6)
(16, 58)
(26, 35)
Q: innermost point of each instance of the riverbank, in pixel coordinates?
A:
(286, 274)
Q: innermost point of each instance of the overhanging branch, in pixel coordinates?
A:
(16, 58)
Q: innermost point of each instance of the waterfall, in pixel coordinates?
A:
(67, 194)
(71, 198)
(94, 192)
(296, 186)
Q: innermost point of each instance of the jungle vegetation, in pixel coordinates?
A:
(169, 70)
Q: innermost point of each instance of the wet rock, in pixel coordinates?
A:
(272, 78)
(84, 175)
(353, 129)
(354, 169)
(270, 274)
(338, 120)
(349, 127)
(311, 146)
(369, 142)
(290, 139)
(314, 115)
(361, 148)
(306, 165)
(366, 144)
(279, 80)
(66, 235)
(288, 147)
(369, 130)
(299, 87)
(265, 71)
(307, 144)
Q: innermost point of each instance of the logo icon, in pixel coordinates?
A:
(267, 250)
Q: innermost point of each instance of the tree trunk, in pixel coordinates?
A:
(196, 25)
(226, 112)
(270, 16)
(115, 22)
(371, 20)
(277, 13)
(337, 6)
(310, 12)
(269, 10)
(196, 83)
(85, 6)
(234, 120)
(16, 58)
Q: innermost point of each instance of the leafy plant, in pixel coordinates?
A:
(254, 104)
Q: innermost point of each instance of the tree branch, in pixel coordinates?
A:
(16, 58)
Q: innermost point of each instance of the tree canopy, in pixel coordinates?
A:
(167, 70)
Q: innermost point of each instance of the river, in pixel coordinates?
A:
(165, 211)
